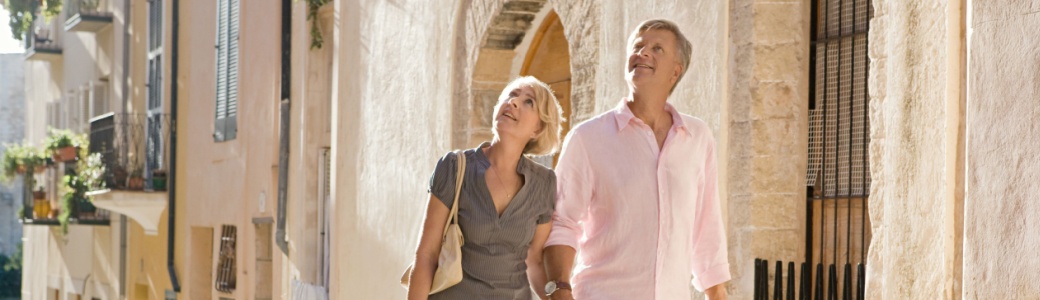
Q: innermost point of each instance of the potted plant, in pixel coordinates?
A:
(41, 207)
(11, 163)
(159, 179)
(136, 181)
(62, 144)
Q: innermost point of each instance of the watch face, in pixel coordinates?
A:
(550, 287)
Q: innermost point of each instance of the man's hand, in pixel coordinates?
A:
(561, 294)
(717, 292)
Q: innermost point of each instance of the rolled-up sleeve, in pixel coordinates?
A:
(710, 261)
(573, 193)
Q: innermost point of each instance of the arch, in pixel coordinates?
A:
(503, 40)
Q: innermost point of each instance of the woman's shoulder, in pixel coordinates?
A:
(538, 170)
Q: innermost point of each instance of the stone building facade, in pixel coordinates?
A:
(12, 130)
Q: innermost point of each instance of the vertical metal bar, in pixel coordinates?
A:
(819, 282)
(790, 280)
(866, 141)
(837, 135)
(846, 289)
(814, 20)
(861, 281)
(832, 283)
(805, 285)
(852, 108)
(757, 280)
(778, 281)
(826, 107)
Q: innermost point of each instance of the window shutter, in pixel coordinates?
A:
(227, 70)
(231, 122)
(222, 20)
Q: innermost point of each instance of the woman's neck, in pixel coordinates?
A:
(504, 154)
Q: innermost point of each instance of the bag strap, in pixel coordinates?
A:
(460, 171)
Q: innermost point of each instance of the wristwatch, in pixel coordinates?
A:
(553, 286)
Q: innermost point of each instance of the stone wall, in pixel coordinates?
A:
(766, 139)
(397, 110)
(915, 93)
(1002, 216)
(12, 130)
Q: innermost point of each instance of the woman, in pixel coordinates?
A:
(505, 204)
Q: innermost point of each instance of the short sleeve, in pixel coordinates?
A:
(550, 199)
(442, 182)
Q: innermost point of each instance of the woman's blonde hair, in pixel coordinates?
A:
(549, 112)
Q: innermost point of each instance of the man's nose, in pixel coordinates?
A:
(642, 52)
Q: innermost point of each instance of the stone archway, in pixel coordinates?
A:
(503, 40)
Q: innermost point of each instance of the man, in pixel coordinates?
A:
(637, 200)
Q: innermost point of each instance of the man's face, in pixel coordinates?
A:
(652, 61)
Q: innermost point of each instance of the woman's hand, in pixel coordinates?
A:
(429, 249)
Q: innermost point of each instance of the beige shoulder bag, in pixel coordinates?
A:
(449, 264)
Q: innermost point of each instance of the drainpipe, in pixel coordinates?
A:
(283, 143)
(126, 99)
(171, 181)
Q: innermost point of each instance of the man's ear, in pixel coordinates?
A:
(675, 74)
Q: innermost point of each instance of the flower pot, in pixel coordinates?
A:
(135, 183)
(64, 154)
(159, 183)
(85, 209)
(41, 208)
(39, 195)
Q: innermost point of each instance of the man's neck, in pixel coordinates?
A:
(650, 109)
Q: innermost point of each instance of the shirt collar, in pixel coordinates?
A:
(624, 116)
(521, 167)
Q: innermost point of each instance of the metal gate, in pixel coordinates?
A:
(838, 175)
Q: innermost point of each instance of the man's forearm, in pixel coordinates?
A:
(717, 292)
(559, 260)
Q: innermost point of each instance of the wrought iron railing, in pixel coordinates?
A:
(133, 149)
(86, 8)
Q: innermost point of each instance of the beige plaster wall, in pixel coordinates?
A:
(1002, 217)
(915, 89)
(230, 182)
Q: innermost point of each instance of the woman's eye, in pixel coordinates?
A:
(529, 102)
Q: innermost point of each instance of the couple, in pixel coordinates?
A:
(633, 197)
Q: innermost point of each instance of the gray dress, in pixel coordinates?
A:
(495, 249)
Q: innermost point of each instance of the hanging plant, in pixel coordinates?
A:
(312, 15)
(22, 14)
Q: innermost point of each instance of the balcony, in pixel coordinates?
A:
(87, 15)
(133, 150)
(39, 209)
(42, 44)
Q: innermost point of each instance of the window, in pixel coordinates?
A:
(154, 139)
(838, 174)
(225, 126)
(226, 266)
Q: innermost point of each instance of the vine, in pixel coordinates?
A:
(312, 16)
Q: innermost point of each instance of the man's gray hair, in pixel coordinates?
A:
(682, 44)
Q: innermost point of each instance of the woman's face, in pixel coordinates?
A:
(517, 115)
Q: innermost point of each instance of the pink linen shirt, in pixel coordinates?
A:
(646, 222)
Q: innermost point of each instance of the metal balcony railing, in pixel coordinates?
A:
(87, 15)
(133, 149)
